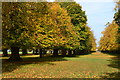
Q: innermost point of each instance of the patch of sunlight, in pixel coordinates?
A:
(26, 56)
(4, 57)
(97, 55)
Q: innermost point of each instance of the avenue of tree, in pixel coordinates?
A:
(110, 41)
(45, 25)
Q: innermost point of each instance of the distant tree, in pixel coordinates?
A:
(109, 40)
(111, 35)
(91, 42)
(117, 14)
(117, 19)
(79, 20)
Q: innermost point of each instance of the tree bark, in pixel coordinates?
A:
(33, 51)
(24, 51)
(63, 52)
(36, 52)
(40, 52)
(77, 52)
(74, 52)
(88, 52)
(55, 52)
(80, 52)
(15, 54)
(69, 52)
(44, 51)
(51, 52)
(5, 53)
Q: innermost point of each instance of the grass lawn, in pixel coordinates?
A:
(95, 65)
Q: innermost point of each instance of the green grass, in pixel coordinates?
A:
(95, 65)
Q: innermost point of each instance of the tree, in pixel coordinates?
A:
(5, 47)
(62, 30)
(24, 51)
(111, 36)
(109, 40)
(117, 14)
(20, 23)
(117, 19)
(5, 53)
(92, 42)
(79, 20)
(43, 25)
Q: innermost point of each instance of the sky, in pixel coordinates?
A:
(99, 13)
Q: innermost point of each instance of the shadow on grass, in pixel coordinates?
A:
(11, 66)
(114, 63)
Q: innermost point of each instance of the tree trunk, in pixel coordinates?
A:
(74, 52)
(36, 52)
(77, 52)
(69, 52)
(15, 54)
(63, 52)
(24, 51)
(88, 52)
(33, 51)
(51, 52)
(84, 51)
(55, 52)
(44, 51)
(40, 52)
(5, 53)
(80, 52)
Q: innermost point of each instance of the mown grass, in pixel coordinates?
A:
(95, 65)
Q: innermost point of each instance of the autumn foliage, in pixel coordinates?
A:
(110, 41)
(44, 25)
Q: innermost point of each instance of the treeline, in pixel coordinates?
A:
(110, 42)
(45, 25)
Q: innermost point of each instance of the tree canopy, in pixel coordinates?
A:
(44, 25)
(110, 41)
(79, 20)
